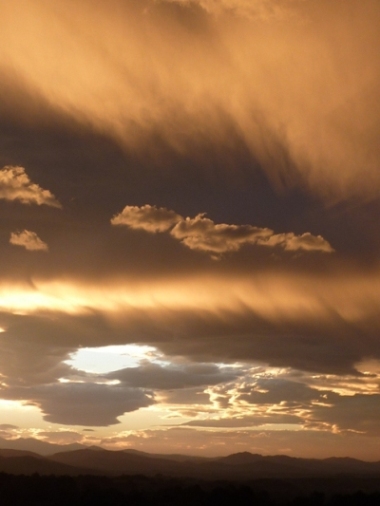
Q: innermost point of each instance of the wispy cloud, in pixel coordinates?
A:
(308, 117)
(28, 240)
(15, 184)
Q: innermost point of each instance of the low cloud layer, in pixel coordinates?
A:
(202, 371)
(15, 184)
(202, 234)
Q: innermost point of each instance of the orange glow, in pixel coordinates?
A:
(272, 296)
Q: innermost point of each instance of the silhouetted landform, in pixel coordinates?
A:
(37, 446)
(94, 476)
(32, 464)
(239, 466)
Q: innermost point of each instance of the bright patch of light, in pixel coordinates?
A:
(369, 367)
(6, 404)
(112, 358)
(279, 426)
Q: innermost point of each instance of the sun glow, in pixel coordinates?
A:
(112, 358)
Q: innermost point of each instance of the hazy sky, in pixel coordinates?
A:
(189, 225)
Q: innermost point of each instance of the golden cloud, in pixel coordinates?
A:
(15, 184)
(148, 218)
(202, 234)
(28, 240)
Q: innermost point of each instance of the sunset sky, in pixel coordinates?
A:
(189, 225)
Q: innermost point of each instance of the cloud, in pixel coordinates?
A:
(38, 346)
(325, 321)
(172, 376)
(359, 412)
(149, 218)
(202, 234)
(292, 242)
(263, 9)
(28, 240)
(60, 437)
(226, 113)
(16, 185)
(88, 404)
(207, 77)
(8, 427)
(189, 399)
(272, 391)
(289, 397)
(246, 421)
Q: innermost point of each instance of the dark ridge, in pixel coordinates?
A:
(28, 465)
(238, 467)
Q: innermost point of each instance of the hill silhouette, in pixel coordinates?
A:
(238, 466)
(93, 475)
(36, 446)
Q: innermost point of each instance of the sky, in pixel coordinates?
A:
(189, 225)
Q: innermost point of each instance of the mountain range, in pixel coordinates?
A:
(17, 458)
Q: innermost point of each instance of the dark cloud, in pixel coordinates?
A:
(189, 397)
(359, 413)
(88, 404)
(8, 427)
(172, 376)
(276, 391)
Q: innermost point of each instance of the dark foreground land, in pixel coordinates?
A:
(97, 477)
(90, 490)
